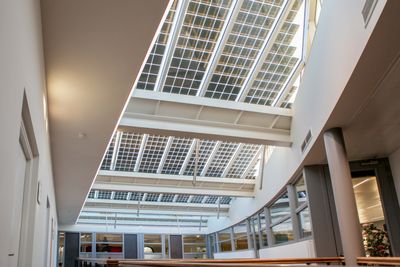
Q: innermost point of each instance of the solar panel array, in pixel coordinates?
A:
(244, 51)
(153, 154)
(157, 197)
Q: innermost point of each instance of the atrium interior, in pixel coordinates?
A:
(199, 129)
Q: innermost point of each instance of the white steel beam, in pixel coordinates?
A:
(141, 150)
(125, 177)
(172, 190)
(150, 205)
(155, 212)
(139, 223)
(198, 102)
(117, 145)
(183, 217)
(165, 154)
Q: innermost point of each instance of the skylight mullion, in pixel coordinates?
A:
(232, 160)
(141, 150)
(165, 154)
(152, 154)
(116, 150)
(210, 158)
(173, 37)
(233, 13)
(189, 154)
(253, 162)
(265, 50)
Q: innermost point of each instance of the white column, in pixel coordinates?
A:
(349, 224)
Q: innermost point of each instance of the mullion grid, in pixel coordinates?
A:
(120, 195)
(205, 149)
(192, 52)
(221, 159)
(251, 28)
(128, 151)
(280, 62)
(225, 200)
(106, 164)
(104, 194)
(148, 77)
(243, 160)
(176, 155)
(152, 154)
(182, 198)
(152, 197)
(197, 199)
(168, 198)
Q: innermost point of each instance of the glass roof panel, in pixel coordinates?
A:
(128, 150)
(176, 155)
(151, 69)
(196, 42)
(221, 159)
(249, 33)
(239, 166)
(281, 61)
(205, 150)
(106, 165)
(152, 153)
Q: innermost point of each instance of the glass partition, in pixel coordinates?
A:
(153, 247)
(280, 208)
(240, 236)
(194, 247)
(224, 240)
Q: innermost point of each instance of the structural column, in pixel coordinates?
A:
(349, 225)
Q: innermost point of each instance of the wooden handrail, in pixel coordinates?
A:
(378, 260)
(230, 262)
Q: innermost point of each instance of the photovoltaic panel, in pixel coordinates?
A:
(250, 31)
(205, 149)
(148, 77)
(281, 61)
(241, 162)
(176, 155)
(196, 42)
(221, 159)
(128, 151)
(152, 153)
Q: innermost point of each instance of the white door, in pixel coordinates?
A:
(16, 204)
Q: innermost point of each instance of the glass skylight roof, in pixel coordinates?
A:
(281, 60)
(245, 51)
(196, 42)
(148, 77)
(146, 152)
(157, 197)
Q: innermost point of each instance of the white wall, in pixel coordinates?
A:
(337, 47)
(242, 254)
(21, 66)
(303, 249)
(394, 160)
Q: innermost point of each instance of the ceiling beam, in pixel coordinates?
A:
(155, 212)
(172, 189)
(105, 175)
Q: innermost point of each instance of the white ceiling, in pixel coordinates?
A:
(93, 50)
